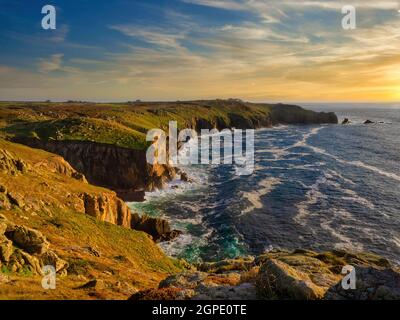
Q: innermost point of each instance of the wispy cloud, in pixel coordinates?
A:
(51, 64)
(254, 49)
(155, 36)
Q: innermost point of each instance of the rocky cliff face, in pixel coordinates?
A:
(289, 114)
(123, 167)
(42, 180)
(123, 170)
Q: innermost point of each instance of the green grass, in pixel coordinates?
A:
(124, 125)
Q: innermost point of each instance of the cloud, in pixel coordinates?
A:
(273, 50)
(51, 64)
(156, 36)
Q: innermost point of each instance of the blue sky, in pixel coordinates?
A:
(259, 50)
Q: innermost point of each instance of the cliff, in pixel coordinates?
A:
(106, 142)
(123, 170)
(50, 214)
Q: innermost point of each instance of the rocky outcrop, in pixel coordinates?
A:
(346, 121)
(200, 286)
(48, 172)
(297, 275)
(307, 275)
(10, 164)
(122, 170)
(372, 284)
(369, 122)
(159, 229)
(24, 250)
(289, 114)
(107, 207)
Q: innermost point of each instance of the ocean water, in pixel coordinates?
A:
(315, 187)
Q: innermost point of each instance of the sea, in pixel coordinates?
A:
(316, 187)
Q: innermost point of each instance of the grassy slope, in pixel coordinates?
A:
(123, 125)
(127, 256)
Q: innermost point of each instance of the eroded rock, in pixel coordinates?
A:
(24, 250)
(29, 240)
(159, 229)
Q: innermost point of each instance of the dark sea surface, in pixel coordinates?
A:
(314, 187)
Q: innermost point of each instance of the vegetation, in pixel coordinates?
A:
(123, 125)
(48, 199)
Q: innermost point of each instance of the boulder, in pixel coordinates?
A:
(22, 262)
(372, 284)
(201, 286)
(159, 229)
(50, 258)
(31, 241)
(93, 284)
(184, 177)
(346, 121)
(278, 280)
(239, 264)
(369, 122)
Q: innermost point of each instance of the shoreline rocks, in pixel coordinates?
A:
(346, 121)
(280, 274)
(158, 229)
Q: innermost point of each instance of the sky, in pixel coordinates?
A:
(255, 50)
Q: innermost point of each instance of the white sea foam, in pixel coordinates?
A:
(307, 136)
(359, 164)
(343, 241)
(254, 197)
(313, 195)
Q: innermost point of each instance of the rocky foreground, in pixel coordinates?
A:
(284, 275)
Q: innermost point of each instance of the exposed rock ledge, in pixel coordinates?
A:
(49, 176)
(298, 275)
(26, 251)
(122, 170)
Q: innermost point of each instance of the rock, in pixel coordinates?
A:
(170, 236)
(107, 207)
(185, 280)
(279, 274)
(22, 262)
(278, 280)
(93, 252)
(369, 122)
(6, 249)
(50, 258)
(16, 199)
(200, 286)
(11, 164)
(30, 240)
(184, 177)
(346, 121)
(240, 264)
(94, 284)
(158, 228)
(372, 284)
(79, 176)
